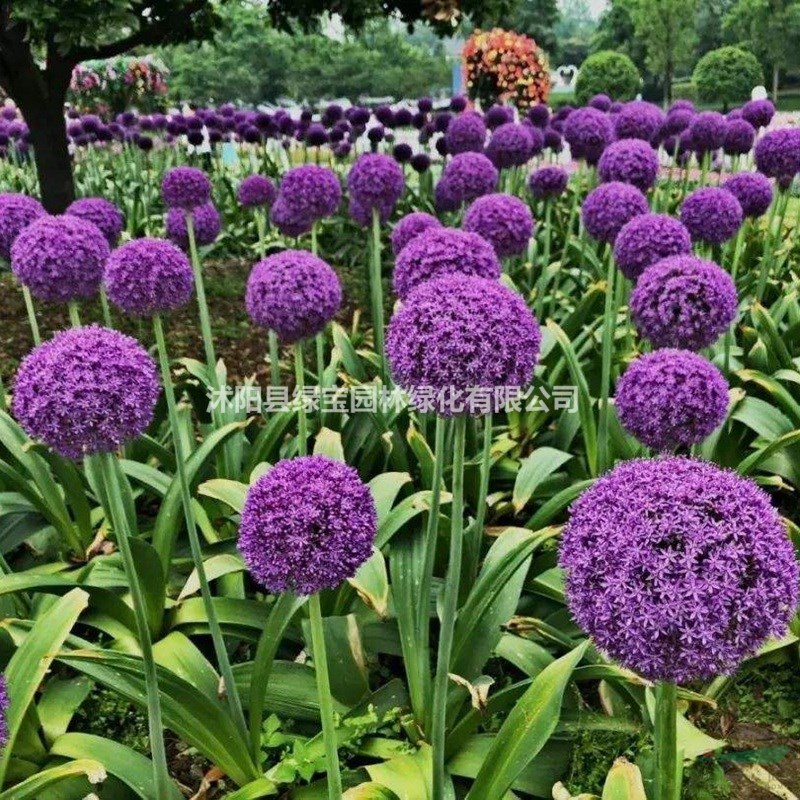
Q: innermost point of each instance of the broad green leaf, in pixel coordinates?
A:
(61, 698)
(372, 582)
(403, 513)
(540, 464)
(369, 791)
(32, 788)
(747, 465)
(624, 782)
(329, 443)
(385, 488)
(215, 567)
(261, 787)
(407, 776)
(526, 729)
(232, 493)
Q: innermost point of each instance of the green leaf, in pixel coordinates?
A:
(261, 787)
(747, 465)
(32, 788)
(232, 493)
(215, 567)
(403, 513)
(408, 776)
(329, 443)
(369, 791)
(132, 768)
(526, 729)
(385, 488)
(61, 698)
(152, 581)
(372, 582)
(540, 464)
(624, 782)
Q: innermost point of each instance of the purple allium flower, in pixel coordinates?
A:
(739, 137)
(602, 102)
(375, 181)
(460, 333)
(310, 191)
(678, 121)
(458, 103)
(498, 115)
(548, 181)
(671, 398)
(502, 220)
(442, 120)
(17, 211)
(409, 227)
(683, 302)
(511, 145)
(363, 216)
(148, 276)
(425, 105)
(316, 135)
(185, 187)
(711, 215)
(256, 191)
(758, 113)
(403, 118)
(647, 239)
(402, 153)
(465, 177)
(103, 213)
(678, 569)
(60, 258)
(443, 251)
(753, 191)
(685, 104)
(638, 120)
(206, 223)
(420, 162)
(87, 390)
(777, 153)
(588, 132)
(539, 115)
(466, 133)
(707, 131)
(608, 207)
(309, 540)
(552, 140)
(294, 293)
(630, 161)
(4, 703)
(288, 220)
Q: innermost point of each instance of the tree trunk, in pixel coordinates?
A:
(776, 74)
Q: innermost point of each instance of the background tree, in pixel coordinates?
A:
(537, 19)
(41, 41)
(726, 75)
(710, 14)
(574, 31)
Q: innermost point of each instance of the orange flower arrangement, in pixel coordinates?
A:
(502, 66)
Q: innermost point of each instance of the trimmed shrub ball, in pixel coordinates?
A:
(375, 181)
(588, 132)
(511, 145)
(671, 398)
(206, 224)
(777, 153)
(148, 276)
(647, 239)
(103, 213)
(753, 191)
(443, 251)
(294, 293)
(608, 207)
(185, 187)
(307, 525)
(60, 258)
(457, 338)
(503, 220)
(256, 191)
(87, 390)
(466, 177)
(409, 227)
(550, 181)
(678, 569)
(17, 211)
(711, 215)
(629, 161)
(466, 133)
(683, 302)
(638, 120)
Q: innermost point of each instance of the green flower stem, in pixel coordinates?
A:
(737, 254)
(449, 607)
(667, 777)
(609, 327)
(274, 359)
(319, 339)
(37, 337)
(766, 258)
(202, 303)
(299, 383)
(325, 699)
(115, 512)
(74, 315)
(376, 288)
(261, 227)
(231, 695)
(474, 535)
(106, 309)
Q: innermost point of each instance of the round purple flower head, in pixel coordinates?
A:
(375, 181)
(87, 390)
(511, 145)
(103, 213)
(363, 216)
(206, 224)
(294, 293)
(638, 120)
(310, 191)
(630, 161)
(602, 102)
(466, 133)
(466, 177)
(758, 113)
(711, 215)
(457, 334)
(671, 398)
(503, 220)
(608, 207)
(647, 239)
(552, 140)
(256, 191)
(539, 115)
(678, 569)
(307, 525)
(683, 302)
(588, 132)
(739, 137)
(777, 153)
(60, 258)
(185, 187)
(548, 181)
(17, 211)
(288, 220)
(707, 131)
(409, 227)
(753, 191)
(497, 115)
(148, 276)
(443, 251)
(678, 120)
